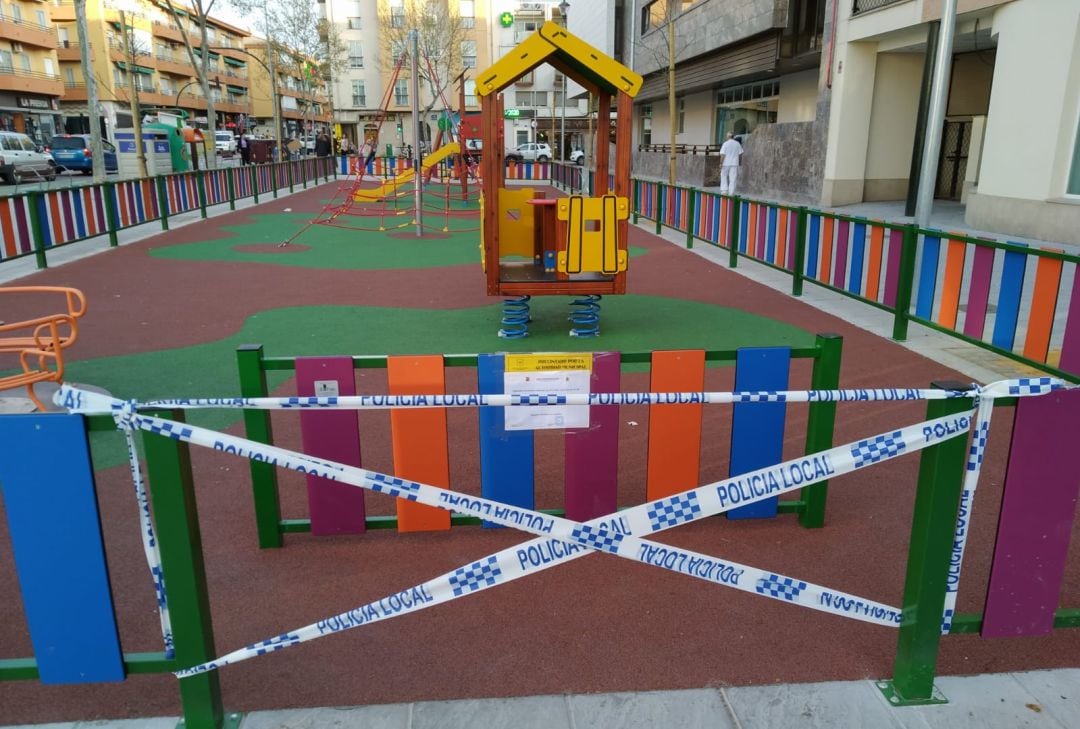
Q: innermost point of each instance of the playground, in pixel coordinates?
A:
(332, 270)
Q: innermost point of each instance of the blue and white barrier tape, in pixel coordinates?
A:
(1005, 388)
(612, 534)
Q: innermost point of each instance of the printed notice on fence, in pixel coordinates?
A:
(547, 374)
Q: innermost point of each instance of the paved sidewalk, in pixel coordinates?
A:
(1035, 699)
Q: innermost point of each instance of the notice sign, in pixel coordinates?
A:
(551, 373)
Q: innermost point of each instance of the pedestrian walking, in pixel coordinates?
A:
(731, 153)
(244, 145)
(322, 145)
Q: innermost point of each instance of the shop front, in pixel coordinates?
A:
(36, 116)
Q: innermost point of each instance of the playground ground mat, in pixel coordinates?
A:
(165, 317)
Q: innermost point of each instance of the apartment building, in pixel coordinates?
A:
(542, 106)
(305, 104)
(750, 68)
(161, 68)
(30, 85)
(1011, 139)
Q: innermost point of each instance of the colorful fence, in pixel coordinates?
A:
(34, 222)
(1020, 301)
(1027, 565)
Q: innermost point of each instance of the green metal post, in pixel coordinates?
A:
(635, 187)
(229, 182)
(257, 427)
(820, 422)
(163, 200)
(36, 203)
(659, 206)
(176, 518)
(733, 248)
(303, 175)
(255, 183)
(799, 264)
(937, 500)
(291, 176)
(274, 167)
(200, 186)
(689, 219)
(906, 282)
(112, 221)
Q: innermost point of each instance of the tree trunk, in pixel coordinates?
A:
(210, 142)
(136, 111)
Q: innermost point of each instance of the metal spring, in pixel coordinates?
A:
(515, 319)
(585, 316)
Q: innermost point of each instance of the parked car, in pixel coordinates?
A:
(309, 143)
(72, 152)
(577, 157)
(224, 142)
(530, 153)
(21, 159)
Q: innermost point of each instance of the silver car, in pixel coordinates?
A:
(22, 160)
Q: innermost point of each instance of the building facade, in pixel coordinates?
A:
(305, 104)
(154, 51)
(1011, 138)
(30, 81)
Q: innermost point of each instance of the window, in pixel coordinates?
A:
(401, 92)
(740, 109)
(467, 11)
(62, 36)
(69, 76)
(525, 80)
(356, 54)
(531, 98)
(645, 128)
(118, 78)
(354, 24)
(41, 19)
(397, 13)
(680, 113)
(559, 98)
(5, 60)
(653, 15)
(359, 98)
(16, 12)
(468, 54)
(470, 93)
(49, 68)
(25, 61)
(167, 86)
(524, 28)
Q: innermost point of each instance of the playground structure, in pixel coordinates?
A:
(1025, 579)
(538, 246)
(40, 341)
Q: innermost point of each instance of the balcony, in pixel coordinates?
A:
(68, 51)
(74, 91)
(178, 65)
(23, 31)
(169, 32)
(62, 10)
(30, 82)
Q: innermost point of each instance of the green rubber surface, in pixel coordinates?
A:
(628, 324)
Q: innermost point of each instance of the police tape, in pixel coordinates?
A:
(381, 402)
(613, 534)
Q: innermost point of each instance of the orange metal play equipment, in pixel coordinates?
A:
(40, 342)
(533, 245)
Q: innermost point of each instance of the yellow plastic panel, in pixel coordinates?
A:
(517, 222)
(592, 234)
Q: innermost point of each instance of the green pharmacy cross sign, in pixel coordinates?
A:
(506, 19)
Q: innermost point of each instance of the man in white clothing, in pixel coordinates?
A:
(730, 155)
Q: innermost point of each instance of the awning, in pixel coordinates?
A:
(136, 69)
(229, 61)
(213, 54)
(236, 89)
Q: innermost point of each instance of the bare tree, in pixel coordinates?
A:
(199, 11)
(315, 51)
(441, 33)
(660, 45)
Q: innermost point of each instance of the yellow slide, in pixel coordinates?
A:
(389, 187)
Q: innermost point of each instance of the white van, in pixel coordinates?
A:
(224, 142)
(22, 160)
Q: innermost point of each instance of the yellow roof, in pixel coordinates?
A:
(566, 52)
